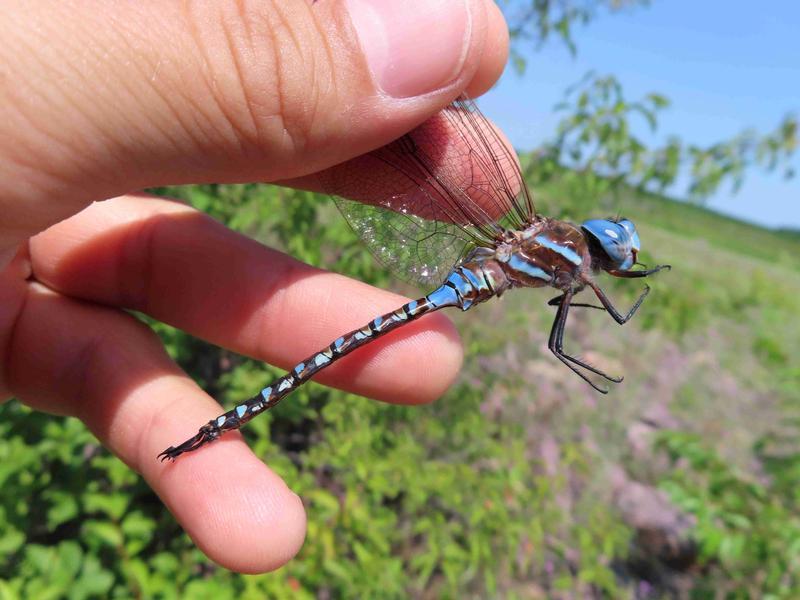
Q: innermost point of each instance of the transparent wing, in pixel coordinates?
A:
(415, 249)
(428, 196)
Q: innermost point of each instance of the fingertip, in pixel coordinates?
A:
(440, 361)
(495, 52)
(238, 512)
(265, 545)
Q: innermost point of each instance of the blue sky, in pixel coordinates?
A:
(726, 66)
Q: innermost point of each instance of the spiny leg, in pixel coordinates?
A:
(556, 346)
(556, 341)
(610, 309)
(580, 362)
(557, 300)
(564, 302)
(628, 274)
(636, 274)
(615, 314)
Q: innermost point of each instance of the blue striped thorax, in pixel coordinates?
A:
(618, 239)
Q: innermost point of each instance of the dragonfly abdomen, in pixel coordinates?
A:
(466, 286)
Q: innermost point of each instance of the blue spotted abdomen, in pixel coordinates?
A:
(466, 286)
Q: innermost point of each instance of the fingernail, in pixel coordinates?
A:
(412, 47)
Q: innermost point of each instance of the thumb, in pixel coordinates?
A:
(100, 98)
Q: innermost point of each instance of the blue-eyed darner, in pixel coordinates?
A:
(447, 202)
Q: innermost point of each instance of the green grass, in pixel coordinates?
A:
(503, 488)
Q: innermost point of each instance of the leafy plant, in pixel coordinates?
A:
(747, 529)
(599, 144)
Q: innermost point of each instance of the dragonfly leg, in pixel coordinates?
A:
(643, 273)
(556, 345)
(617, 316)
(557, 300)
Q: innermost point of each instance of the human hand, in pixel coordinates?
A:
(97, 99)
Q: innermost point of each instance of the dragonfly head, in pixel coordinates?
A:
(613, 243)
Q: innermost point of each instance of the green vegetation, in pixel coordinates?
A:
(503, 488)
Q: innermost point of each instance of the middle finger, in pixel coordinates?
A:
(181, 267)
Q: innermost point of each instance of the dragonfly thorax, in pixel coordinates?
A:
(549, 252)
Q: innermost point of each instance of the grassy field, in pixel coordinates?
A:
(519, 483)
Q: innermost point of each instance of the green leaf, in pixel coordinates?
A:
(11, 540)
(103, 533)
(113, 505)
(64, 508)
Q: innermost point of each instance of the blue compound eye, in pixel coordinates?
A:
(619, 241)
(634, 235)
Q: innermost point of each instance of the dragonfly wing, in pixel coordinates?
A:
(495, 179)
(415, 249)
(448, 184)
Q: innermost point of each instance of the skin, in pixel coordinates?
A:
(98, 99)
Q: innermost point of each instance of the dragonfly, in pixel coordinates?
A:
(447, 205)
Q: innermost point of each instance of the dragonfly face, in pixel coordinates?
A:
(613, 244)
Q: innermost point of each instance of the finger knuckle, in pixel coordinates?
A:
(269, 68)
